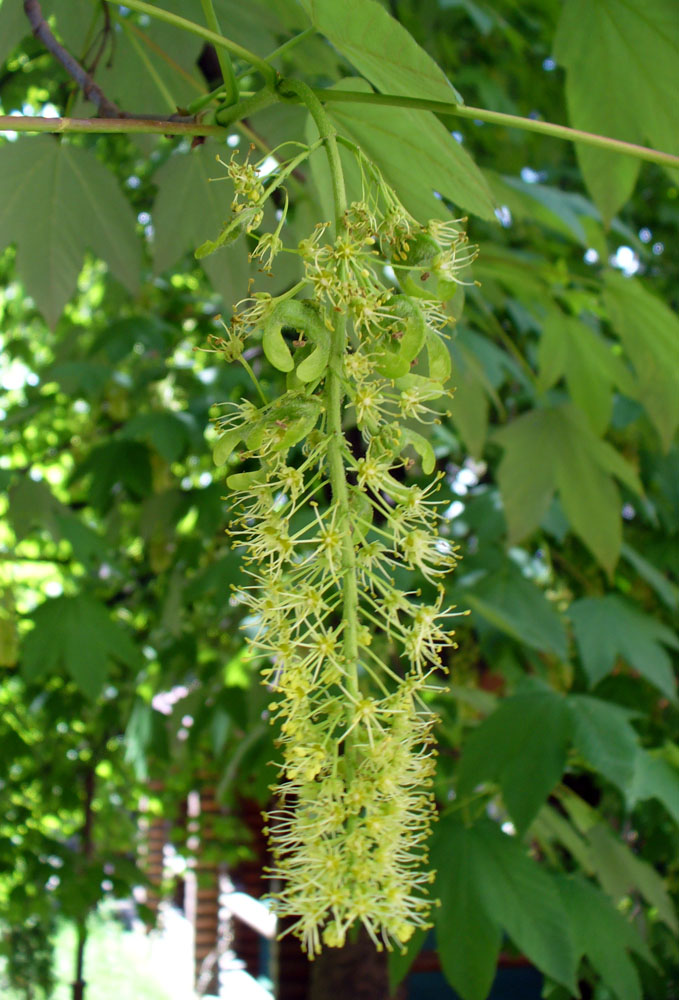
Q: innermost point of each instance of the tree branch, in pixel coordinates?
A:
(90, 89)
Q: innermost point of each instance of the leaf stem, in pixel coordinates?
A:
(214, 37)
(223, 57)
(500, 118)
(334, 395)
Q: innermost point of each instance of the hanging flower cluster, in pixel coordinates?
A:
(329, 524)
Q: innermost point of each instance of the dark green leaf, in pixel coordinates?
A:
(604, 936)
(654, 777)
(608, 627)
(486, 881)
(522, 746)
(605, 738)
(518, 607)
(77, 635)
(649, 331)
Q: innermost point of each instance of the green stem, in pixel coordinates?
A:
(230, 82)
(334, 395)
(214, 37)
(28, 123)
(290, 44)
(500, 118)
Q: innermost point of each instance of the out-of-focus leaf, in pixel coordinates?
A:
(603, 735)
(649, 331)
(56, 202)
(610, 627)
(554, 449)
(192, 204)
(621, 64)
(76, 635)
(655, 778)
(604, 936)
(510, 602)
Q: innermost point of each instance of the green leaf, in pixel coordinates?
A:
(76, 634)
(381, 48)
(56, 202)
(621, 872)
(468, 936)
(655, 778)
(626, 55)
(113, 463)
(193, 201)
(76, 22)
(417, 156)
(554, 448)
(604, 936)
(649, 331)
(610, 627)
(485, 882)
(528, 734)
(510, 602)
(169, 433)
(13, 27)
(667, 591)
(603, 735)
(568, 346)
(153, 66)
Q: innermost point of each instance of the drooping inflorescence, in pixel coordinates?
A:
(329, 525)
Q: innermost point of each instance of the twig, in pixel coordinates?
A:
(155, 125)
(90, 89)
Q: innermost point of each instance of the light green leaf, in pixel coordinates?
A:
(554, 448)
(603, 735)
(417, 156)
(654, 777)
(649, 331)
(381, 49)
(604, 936)
(13, 27)
(56, 202)
(528, 734)
(610, 627)
(76, 634)
(76, 22)
(626, 55)
(154, 67)
(485, 881)
(510, 602)
(193, 201)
